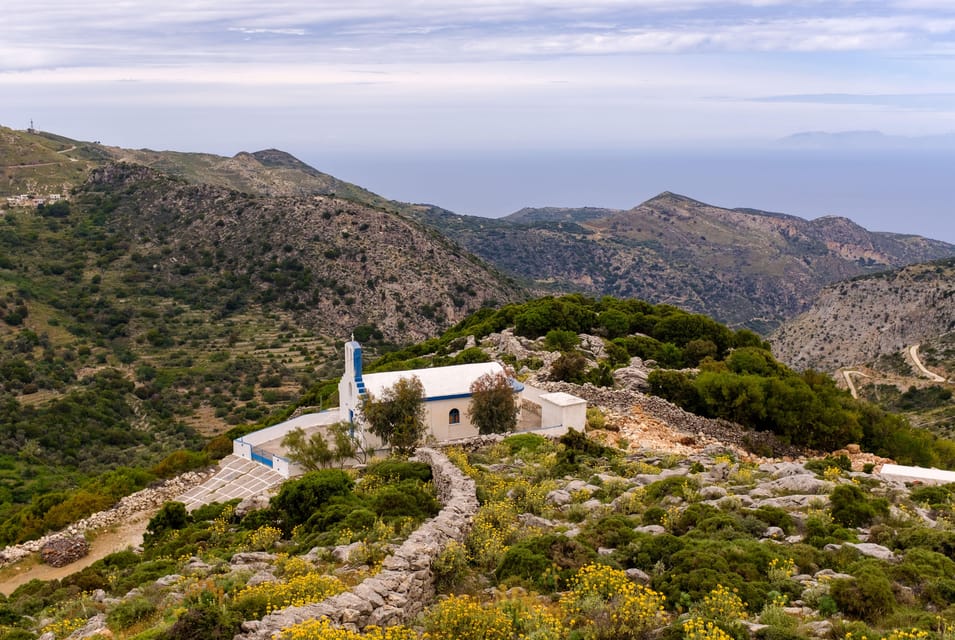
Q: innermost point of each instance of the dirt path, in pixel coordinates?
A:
(847, 375)
(107, 541)
(914, 352)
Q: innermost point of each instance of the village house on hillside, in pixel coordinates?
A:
(447, 396)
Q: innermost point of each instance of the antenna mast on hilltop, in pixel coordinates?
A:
(31, 129)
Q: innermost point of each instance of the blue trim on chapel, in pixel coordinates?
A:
(356, 361)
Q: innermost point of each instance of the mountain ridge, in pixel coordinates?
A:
(744, 266)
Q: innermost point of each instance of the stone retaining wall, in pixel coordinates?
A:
(128, 507)
(405, 585)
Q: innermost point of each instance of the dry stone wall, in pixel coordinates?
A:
(405, 585)
(133, 505)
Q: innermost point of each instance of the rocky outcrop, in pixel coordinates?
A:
(405, 585)
(697, 430)
(858, 321)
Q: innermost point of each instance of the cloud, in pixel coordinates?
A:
(379, 31)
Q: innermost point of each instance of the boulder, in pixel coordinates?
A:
(252, 503)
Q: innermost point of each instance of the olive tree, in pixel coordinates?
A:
(397, 417)
(314, 452)
(493, 407)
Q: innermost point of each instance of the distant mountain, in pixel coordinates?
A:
(859, 321)
(743, 266)
(530, 215)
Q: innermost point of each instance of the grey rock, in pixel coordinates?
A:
(530, 520)
(638, 576)
(652, 529)
(343, 552)
(260, 577)
(787, 469)
(829, 574)
(252, 503)
(558, 497)
(817, 629)
(93, 627)
(774, 533)
(579, 485)
(873, 550)
(712, 492)
(791, 502)
(801, 484)
(168, 581)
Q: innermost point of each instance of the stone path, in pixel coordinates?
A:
(236, 478)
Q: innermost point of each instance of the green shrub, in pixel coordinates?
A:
(299, 499)
(867, 596)
(129, 612)
(561, 340)
(819, 465)
(654, 515)
(406, 498)
(206, 622)
(399, 469)
(775, 517)
(609, 531)
(526, 442)
(850, 506)
(547, 562)
(172, 516)
(677, 486)
(577, 449)
(179, 462)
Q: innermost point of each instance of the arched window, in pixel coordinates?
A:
(454, 416)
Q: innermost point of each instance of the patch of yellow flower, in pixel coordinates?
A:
(264, 537)
(604, 602)
(699, 629)
(63, 628)
(466, 618)
(722, 605)
(781, 571)
(296, 592)
(495, 524)
(832, 473)
(902, 634)
(322, 629)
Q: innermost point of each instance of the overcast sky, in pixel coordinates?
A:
(317, 77)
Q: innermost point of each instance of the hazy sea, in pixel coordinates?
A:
(908, 191)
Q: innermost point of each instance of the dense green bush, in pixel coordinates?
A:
(206, 622)
(867, 596)
(300, 498)
(400, 469)
(529, 442)
(545, 561)
(850, 506)
(129, 612)
(406, 498)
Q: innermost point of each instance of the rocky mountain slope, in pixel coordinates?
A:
(742, 266)
(336, 264)
(861, 320)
